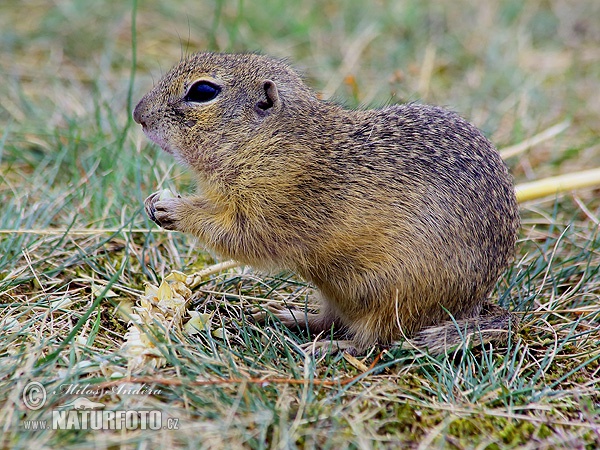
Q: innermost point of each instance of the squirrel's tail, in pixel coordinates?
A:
(493, 324)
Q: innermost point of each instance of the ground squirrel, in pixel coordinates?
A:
(402, 217)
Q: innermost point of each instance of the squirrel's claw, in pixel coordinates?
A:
(150, 208)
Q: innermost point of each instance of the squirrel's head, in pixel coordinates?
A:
(212, 103)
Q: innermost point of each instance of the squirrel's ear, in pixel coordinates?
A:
(269, 99)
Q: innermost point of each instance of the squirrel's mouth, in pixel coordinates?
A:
(159, 140)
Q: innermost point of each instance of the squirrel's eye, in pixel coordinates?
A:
(202, 91)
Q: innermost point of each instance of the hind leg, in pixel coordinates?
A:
(291, 317)
(318, 324)
(331, 347)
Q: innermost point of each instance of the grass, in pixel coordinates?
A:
(76, 249)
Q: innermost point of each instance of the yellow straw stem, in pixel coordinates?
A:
(554, 185)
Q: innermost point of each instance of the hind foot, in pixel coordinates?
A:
(289, 316)
(330, 347)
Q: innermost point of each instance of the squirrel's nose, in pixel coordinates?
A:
(138, 115)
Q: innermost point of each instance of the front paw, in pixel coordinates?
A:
(163, 211)
(150, 208)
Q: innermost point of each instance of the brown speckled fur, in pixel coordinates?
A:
(397, 215)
